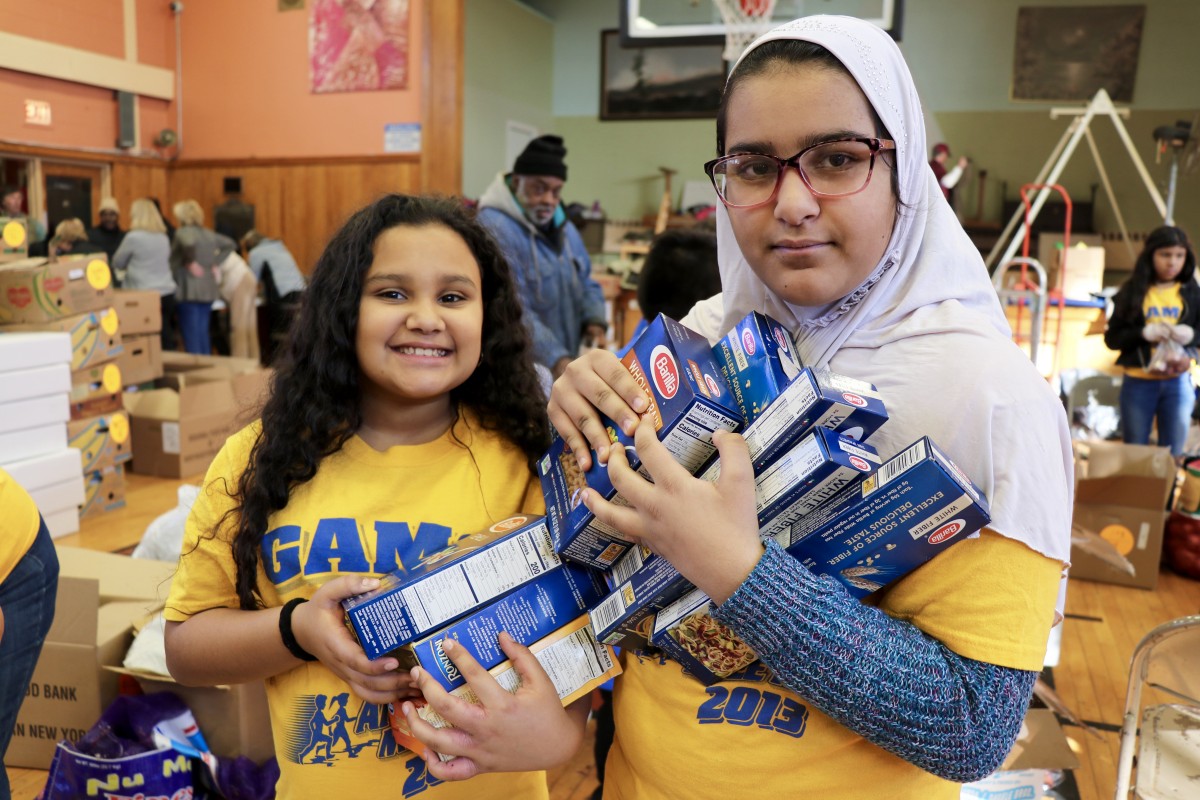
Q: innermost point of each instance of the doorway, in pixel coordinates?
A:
(71, 191)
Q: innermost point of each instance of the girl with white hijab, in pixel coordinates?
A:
(925, 686)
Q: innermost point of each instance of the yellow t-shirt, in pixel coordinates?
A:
(19, 523)
(1162, 304)
(989, 599)
(365, 512)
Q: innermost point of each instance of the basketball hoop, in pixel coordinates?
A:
(745, 21)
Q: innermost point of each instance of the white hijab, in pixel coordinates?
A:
(926, 326)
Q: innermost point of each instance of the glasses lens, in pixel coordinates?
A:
(837, 167)
(744, 180)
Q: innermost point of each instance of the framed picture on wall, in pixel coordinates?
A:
(659, 81)
(1071, 52)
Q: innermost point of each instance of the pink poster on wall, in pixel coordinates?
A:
(358, 45)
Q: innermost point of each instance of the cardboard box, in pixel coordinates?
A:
(103, 491)
(916, 504)
(528, 613)
(251, 383)
(1084, 274)
(23, 384)
(449, 583)
(33, 441)
(54, 480)
(641, 584)
(234, 719)
(21, 351)
(1049, 245)
(142, 361)
(572, 658)
(708, 651)
(102, 441)
(139, 310)
(34, 412)
(35, 290)
(688, 398)
(176, 434)
(95, 336)
(1121, 493)
(62, 522)
(759, 361)
(95, 390)
(100, 595)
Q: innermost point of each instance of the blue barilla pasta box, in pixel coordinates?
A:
(824, 465)
(759, 361)
(447, 584)
(689, 399)
(641, 583)
(915, 506)
(528, 613)
(686, 632)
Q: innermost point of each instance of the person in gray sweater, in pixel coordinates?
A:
(142, 261)
(196, 256)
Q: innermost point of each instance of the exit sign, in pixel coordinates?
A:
(37, 112)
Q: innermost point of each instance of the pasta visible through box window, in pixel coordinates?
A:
(715, 645)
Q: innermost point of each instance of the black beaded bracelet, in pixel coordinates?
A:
(285, 631)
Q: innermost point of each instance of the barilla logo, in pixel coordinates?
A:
(947, 531)
(712, 385)
(781, 338)
(512, 523)
(664, 371)
(748, 342)
(853, 399)
(448, 669)
(859, 464)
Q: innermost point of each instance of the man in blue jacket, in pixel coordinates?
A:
(523, 210)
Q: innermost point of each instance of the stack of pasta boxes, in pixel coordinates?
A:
(74, 295)
(568, 583)
(822, 492)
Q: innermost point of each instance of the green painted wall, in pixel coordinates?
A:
(961, 53)
(508, 75)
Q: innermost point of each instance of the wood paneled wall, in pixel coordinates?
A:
(135, 179)
(299, 202)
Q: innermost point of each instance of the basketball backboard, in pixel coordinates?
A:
(698, 21)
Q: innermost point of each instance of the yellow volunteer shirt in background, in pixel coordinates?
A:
(1163, 303)
(988, 598)
(365, 513)
(19, 523)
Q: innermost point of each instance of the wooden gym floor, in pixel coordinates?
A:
(1104, 623)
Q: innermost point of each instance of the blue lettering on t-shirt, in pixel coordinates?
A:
(281, 553)
(337, 540)
(396, 547)
(1161, 314)
(341, 546)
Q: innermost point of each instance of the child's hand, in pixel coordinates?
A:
(708, 531)
(595, 380)
(320, 628)
(506, 732)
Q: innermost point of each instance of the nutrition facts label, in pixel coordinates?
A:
(690, 441)
(453, 591)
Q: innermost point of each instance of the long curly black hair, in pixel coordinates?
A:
(313, 408)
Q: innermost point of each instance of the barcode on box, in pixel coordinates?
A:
(900, 463)
(607, 612)
(628, 564)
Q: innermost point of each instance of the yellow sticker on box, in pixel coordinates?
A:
(118, 428)
(98, 274)
(109, 322)
(111, 378)
(14, 234)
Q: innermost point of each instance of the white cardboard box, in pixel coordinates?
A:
(23, 384)
(33, 413)
(34, 441)
(23, 350)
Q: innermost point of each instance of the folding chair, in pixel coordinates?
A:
(1166, 661)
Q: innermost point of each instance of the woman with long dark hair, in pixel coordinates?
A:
(405, 414)
(1159, 306)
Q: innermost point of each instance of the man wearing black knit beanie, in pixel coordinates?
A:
(523, 210)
